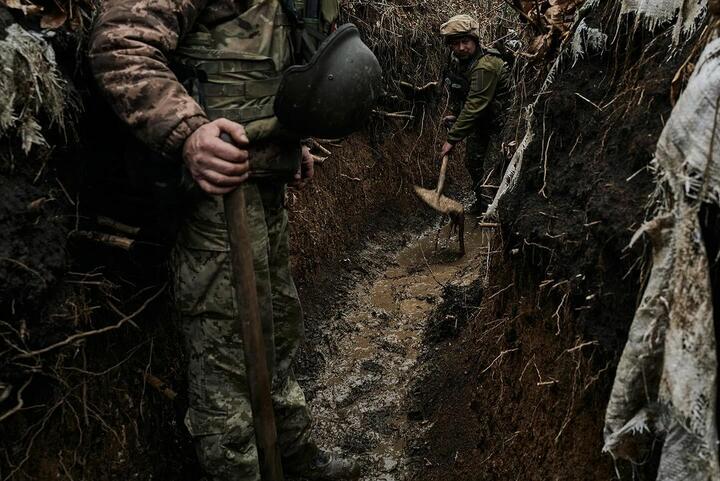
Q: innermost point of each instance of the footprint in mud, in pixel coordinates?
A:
(361, 403)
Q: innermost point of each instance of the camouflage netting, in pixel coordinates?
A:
(31, 86)
(666, 381)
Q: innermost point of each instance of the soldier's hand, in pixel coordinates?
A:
(217, 166)
(307, 170)
(446, 149)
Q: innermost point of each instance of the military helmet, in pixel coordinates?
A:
(334, 94)
(461, 26)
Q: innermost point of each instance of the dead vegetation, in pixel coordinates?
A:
(72, 15)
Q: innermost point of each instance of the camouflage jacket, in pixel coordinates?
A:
(480, 88)
(129, 51)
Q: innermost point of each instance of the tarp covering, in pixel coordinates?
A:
(666, 380)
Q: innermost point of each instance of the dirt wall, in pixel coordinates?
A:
(520, 392)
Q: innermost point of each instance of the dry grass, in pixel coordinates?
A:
(405, 34)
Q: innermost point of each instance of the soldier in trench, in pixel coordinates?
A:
(225, 45)
(479, 85)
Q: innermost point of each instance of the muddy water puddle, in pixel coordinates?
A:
(359, 404)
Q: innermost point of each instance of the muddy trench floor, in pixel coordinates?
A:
(367, 337)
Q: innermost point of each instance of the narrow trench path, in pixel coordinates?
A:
(376, 338)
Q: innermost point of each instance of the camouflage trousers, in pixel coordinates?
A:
(219, 416)
(484, 162)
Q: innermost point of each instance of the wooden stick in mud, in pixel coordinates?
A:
(317, 145)
(394, 115)
(160, 386)
(118, 226)
(258, 374)
(108, 239)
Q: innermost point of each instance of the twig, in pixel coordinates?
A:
(416, 88)
(29, 269)
(499, 356)
(525, 16)
(67, 196)
(394, 115)
(147, 371)
(427, 264)
(37, 204)
(160, 386)
(118, 226)
(354, 179)
(65, 469)
(107, 239)
(526, 366)
(111, 368)
(580, 346)
(317, 145)
(500, 292)
(540, 378)
(20, 401)
(545, 165)
(557, 311)
(571, 405)
(589, 101)
(37, 433)
(83, 335)
(86, 417)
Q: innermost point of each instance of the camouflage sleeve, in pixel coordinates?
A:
(482, 90)
(129, 49)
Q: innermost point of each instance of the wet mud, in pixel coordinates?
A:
(361, 397)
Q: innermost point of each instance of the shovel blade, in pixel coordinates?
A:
(438, 202)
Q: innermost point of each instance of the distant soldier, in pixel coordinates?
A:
(479, 83)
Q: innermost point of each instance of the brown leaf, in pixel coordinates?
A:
(527, 6)
(555, 14)
(53, 19)
(540, 45)
(27, 8)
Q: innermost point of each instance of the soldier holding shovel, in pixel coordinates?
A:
(230, 64)
(479, 84)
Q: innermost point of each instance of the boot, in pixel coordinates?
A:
(326, 467)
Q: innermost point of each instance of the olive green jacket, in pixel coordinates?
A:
(489, 92)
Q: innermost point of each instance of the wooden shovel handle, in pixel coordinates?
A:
(257, 371)
(441, 178)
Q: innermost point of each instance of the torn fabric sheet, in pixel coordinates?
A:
(691, 137)
(686, 13)
(666, 380)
